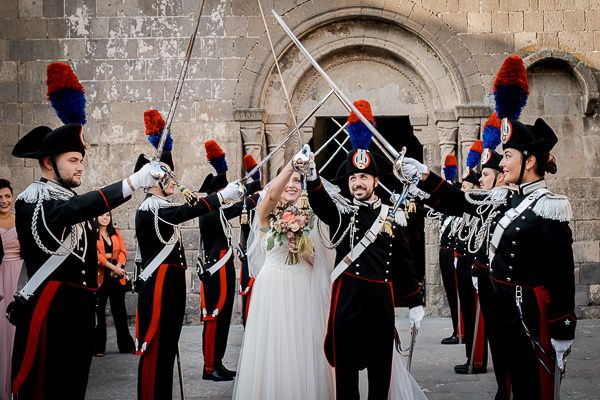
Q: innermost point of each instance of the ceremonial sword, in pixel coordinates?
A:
(388, 150)
(413, 339)
(156, 170)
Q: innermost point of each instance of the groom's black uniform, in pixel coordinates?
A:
(360, 330)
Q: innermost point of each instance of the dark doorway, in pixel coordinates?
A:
(398, 132)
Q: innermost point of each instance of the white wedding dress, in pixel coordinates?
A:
(282, 355)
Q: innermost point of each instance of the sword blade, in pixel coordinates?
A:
(345, 100)
(413, 339)
(180, 372)
(180, 80)
(288, 137)
(557, 379)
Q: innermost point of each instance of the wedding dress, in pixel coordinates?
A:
(282, 355)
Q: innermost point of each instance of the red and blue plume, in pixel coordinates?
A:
(474, 155)
(66, 93)
(491, 132)
(450, 167)
(155, 125)
(249, 164)
(215, 156)
(511, 88)
(360, 136)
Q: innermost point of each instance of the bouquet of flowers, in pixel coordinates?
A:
(290, 225)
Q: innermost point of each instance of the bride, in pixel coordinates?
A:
(282, 355)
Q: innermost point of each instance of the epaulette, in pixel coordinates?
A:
(343, 205)
(151, 203)
(554, 206)
(42, 191)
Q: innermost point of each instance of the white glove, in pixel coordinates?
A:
(560, 346)
(415, 315)
(301, 159)
(232, 192)
(475, 282)
(411, 167)
(139, 180)
(312, 175)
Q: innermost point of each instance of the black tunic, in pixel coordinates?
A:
(65, 336)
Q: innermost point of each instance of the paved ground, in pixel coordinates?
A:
(114, 376)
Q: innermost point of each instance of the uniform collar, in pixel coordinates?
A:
(56, 185)
(373, 205)
(526, 188)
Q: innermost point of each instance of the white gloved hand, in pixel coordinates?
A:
(411, 167)
(312, 175)
(232, 192)
(415, 315)
(561, 346)
(301, 159)
(475, 282)
(140, 180)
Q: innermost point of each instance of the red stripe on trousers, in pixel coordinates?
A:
(37, 325)
(209, 345)
(461, 320)
(546, 382)
(479, 353)
(334, 301)
(149, 365)
(156, 306)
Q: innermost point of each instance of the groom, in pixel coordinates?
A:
(360, 331)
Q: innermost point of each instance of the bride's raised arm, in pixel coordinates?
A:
(273, 195)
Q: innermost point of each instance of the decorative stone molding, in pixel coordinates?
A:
(582, 73)
(276, 129)
(252, 127)
(470, 118)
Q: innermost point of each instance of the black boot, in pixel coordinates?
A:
(216, 375)
(463, 369)
(226, 371)
(450, 340)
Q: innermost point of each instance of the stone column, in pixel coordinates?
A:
(447, 130)
(276, 130)
(252, 127)
(470, 119)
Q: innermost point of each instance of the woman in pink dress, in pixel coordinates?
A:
(10, 267)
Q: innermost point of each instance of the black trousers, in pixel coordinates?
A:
(523, 364)
(112, 290)
(468, 305)
(63, 354)
(360, 334)
(216, 331)
(449, 281)
(486, 290)
(155, 371)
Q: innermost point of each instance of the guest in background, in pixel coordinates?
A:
(10, 268)
(112, 283)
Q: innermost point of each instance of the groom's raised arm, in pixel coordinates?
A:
(322, 204)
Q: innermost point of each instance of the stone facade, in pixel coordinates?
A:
(433, 61)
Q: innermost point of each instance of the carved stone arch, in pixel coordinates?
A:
(583, 75)
(437, 37)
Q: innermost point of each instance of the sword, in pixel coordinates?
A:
(557, 379)
(413, 339)
(181, 79)
(180, 372)
(288, 137)
(389, 151)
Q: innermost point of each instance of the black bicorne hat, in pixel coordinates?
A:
(43, 141)
(471, 176)
(213, 183)
(538, 138)
(491, 159)
(166, 158)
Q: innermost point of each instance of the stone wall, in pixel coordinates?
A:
(431, 60)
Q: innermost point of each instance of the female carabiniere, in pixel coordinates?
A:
(531, 256)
